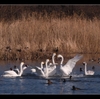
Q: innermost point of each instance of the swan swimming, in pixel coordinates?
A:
(12, 73)
(66, 69)
(51, 67)
(88, 72)
(33, 70)
(39, 70)
(15, 69)
(29, 70)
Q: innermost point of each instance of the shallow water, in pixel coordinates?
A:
(31, 84)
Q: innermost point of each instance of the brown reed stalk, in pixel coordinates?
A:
(47, 35)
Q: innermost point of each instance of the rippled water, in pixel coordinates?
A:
(31, 84)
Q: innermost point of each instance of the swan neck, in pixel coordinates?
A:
(41, 66)
(85, 68)
(46, 68)
(62, 59)
(53, 59)
(21, 70)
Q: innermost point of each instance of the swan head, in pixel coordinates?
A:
(15, 66)
(42, 63)
(22, 63)
(84, 63)
(54, 54)
(26, 65)
(59, 56)
(50, 64)
(47, 60)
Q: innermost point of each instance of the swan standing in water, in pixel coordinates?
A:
(66, 69)
(88, 72)
(12, 73)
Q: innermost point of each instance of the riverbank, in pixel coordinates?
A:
(37, 36)
(34, 39)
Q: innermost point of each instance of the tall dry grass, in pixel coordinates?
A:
(31, 38)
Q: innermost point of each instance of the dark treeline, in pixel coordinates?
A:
(10, 12)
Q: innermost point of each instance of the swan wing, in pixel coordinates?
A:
(13, 73)
(39, 71)
(33, 70)
(52, 72)
(38, 68)
(90, 72)
(7, 71)
(68, 67)
(16, 70)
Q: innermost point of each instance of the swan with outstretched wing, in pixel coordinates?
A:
(66, 69)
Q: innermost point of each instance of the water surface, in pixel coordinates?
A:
(31, 84)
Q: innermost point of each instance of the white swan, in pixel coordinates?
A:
(51, 67)
(33, 70)
(15, 69)
(66, 69)
(88, 72)
(12, 73)
(39, 70)
(29, 70)
(53, 61)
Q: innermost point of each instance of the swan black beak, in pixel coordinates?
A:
(26, 65)
(83, 63)
(43, 63)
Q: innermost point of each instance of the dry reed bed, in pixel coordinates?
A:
(36, 38)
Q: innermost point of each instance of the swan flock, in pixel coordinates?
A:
(48, 68)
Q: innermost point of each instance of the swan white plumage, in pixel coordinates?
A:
(12, 73)
(29, 70)
(51, 67)
(66, 69)
(15, 69)
(33, 70)
(39, 70)
(88, 72)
